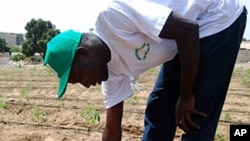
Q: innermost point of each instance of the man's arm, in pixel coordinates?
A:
(112, 130)
(186, 34)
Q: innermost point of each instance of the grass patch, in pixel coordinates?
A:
(245, 78)
(91, 115)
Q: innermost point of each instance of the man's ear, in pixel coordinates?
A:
(82, 52)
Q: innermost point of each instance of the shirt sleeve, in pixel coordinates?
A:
(116, 90)
(133, 16)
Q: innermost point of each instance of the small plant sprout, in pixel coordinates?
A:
(3, 102)
(24, 94)
(227, 116)
(133, 100)
(91, 115)
(3, 105)
(220, 137)
(60, 103)
(245, 78)
(37, 113)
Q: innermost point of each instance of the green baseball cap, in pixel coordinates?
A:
(60, 54)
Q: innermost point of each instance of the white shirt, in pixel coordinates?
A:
(131, 28)
(212, 16)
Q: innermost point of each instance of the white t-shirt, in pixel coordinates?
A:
(131, 28)
(212, 16)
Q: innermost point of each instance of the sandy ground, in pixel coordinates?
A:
(30, 110)
(245, 44)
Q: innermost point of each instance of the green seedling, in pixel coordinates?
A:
(91, 115)
(133, 100)
(227, 116)
(220, 137)
(3, 105)
(60, 103)
(24, 94)
(37, 113)
(3, 102)
(245, 78)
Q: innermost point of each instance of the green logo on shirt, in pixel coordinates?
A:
(142, 52)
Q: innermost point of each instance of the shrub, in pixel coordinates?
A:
(15, 49)
(18, 57)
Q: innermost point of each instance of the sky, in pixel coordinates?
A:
(64, 14)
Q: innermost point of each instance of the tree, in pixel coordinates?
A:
(39, 33)
(3, 46)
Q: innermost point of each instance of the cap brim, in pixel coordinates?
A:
(63, 83)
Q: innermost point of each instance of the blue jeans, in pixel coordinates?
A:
(218, 54)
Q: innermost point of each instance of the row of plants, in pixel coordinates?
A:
(90, 114)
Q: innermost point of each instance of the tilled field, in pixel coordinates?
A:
(30, 110)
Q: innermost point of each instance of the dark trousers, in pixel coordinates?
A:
(218, 54)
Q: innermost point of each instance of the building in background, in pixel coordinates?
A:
(12, 39)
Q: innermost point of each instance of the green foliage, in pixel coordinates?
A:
(3, 46)
(227, 116)
(3, 102)
(27, 48)
(24, 94)
(18, 57)
(39, 32)
(15, 49)
(245, 78)
(91, 115)
(37, 113)
(133, 100)
(60, 103)
(220, 137)
(3, 105)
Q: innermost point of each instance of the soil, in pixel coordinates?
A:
(30, 110)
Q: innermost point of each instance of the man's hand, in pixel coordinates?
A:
(184, 110)
(186, 34)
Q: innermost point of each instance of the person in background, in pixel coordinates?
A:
(195, 41)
